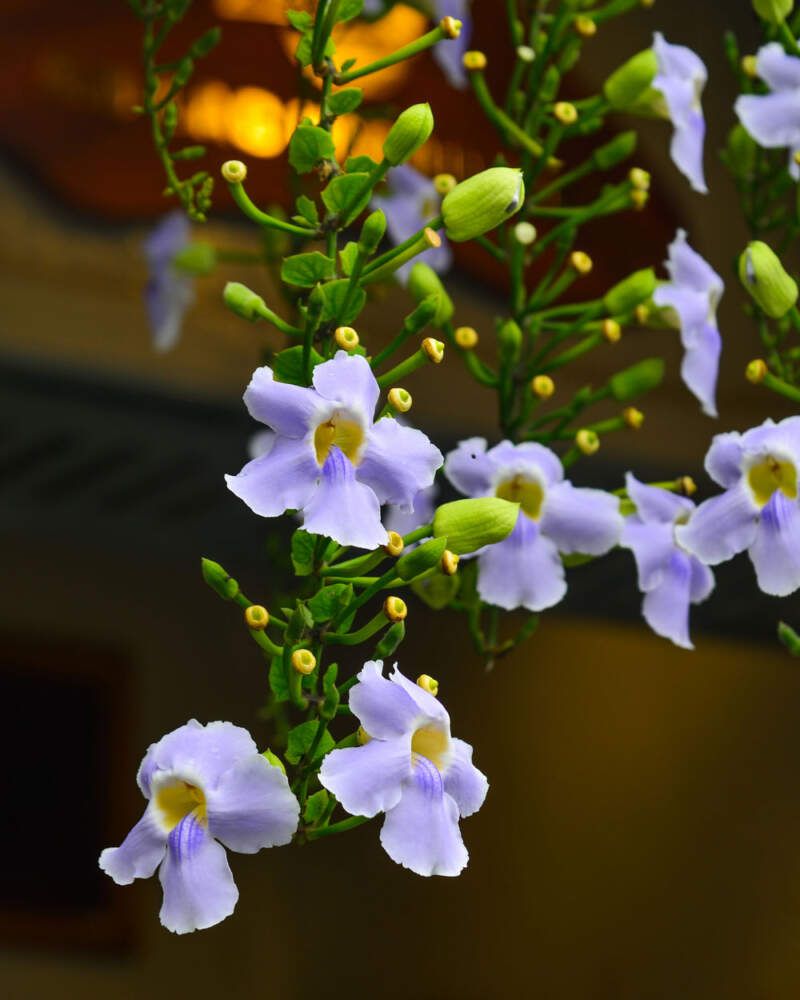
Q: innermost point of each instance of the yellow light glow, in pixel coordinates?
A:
(255, 122)
(260, 11)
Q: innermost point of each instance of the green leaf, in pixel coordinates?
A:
(329, 601)
(341, 191)
(348, 64)
(278, 682)
(288, 364)
(301, 738)
(308, 210)
(347, 256)
(345, 101)
(391, 639)
(359, 164)
(333, 295)
(437, 591)
(331, 692)
(299, 19)
(316, 805)
(299, 621)
(309, 144)
(273, 759)
(306, 269)
(304, 46)
(303, 552)
(348, 9)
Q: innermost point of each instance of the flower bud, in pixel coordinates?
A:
(346, 337)
(395, 609)
(234, 171)
(756, 371)
(424, 281)
(474, 60)
(470, 524)
(444, 183)
(628, 293)
(391, 639)
(429, 684)
(587, 441)
(525, 233)
(256, 617)
(480, 203)
(399, 399)
(196, 258)
(543, 386)
(509, 340)
(449, 563)
(633, 418)
(395, 545)
(451, 26)
(741, 150)
(639, 198)
(434, 350)
(642, 312)
(218, 579)
(581, 262)
(585, 26)
(639, 178)
(627, 85)
(423, 557)
(637, 380)
(612, 331)
(763, 276)
(615, 151)
(243, 301)
(304, 661)
(565, 113)
(466, 338)
(372, 232)
(411, 130)
(773, 11)
(526, 53)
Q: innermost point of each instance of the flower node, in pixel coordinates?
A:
(256, 617)
(633, 418)
(612, 331)
(587, 441)
(400, 399)
(466, 337)
(565, 113)
(234, 171)
(451, 26)
(395, 609)
(543, 386)
(449, 563)
(581, 262)
(346, 337)
(756, 371)
(395, 545)
(474, 60)
(303, 661)
(434, 350)
(429, 684)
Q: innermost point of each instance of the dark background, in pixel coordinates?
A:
(640, 835)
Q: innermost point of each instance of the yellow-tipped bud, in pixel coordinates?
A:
(303, 661)
(612, 331)
(466, 337)
(639, 198)
(525, 233)
(639, 178)
(687, 486)
(543, 386)
(449, 563)
(400, 399)
(587, 441)
(585, 26)
(750, 66)
(431, 237)
(395, 609)
(434, 349)
(362, 736)
(642, 314)
(346, 337)
(429, 684)
(581, 262)
(633, 418)
(444, 183)
(756, 371)
(565, 113)
(451, 26)
(526, 53)
(395, 545)
(474, 60)
(234, 171)
(256, 617)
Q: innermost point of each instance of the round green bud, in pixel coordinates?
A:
(372, 232)
(509, 341)
(243, 301)
(480, 203)
(774, 11)
(740, 150)
(636, 380)
(468, 525)
(218, 579)
(630, 292)
(411, 130)
(610, 154)
(196, 258)
(763, 276)
(422, 557)
(627, 86)
(423, 282)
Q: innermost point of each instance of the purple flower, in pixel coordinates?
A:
(692, 298)
(328, 459)
(207, 786)
(422, 510)
(411, 769)
(450, 53)
(525, 569)
(681, 79)
(669, 577)
(411, 203)
(773, 119)
(168, 293)
(759, 509)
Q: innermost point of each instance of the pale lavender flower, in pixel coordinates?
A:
(449, 54)
(411, 203)
(680, 80)
(759, 509)
(422, 510)
(206, 786)
(773, 119)
(669, 577)
(692, 298)
(328, 459)
(168, 293)
(525, 569)
(411, 769)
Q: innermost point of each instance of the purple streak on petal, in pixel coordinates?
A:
(666, 607)
(343, 508)
(775, 552)
(199, 890)
(398, 462)
(522, 571)
(253, 807)
(469, 468)
(700, 367)
(463, 781)
(427, 704)
(777, 69)
(721, 527)
(652, 546)
(284, 479)
(384, 709)
(421, 832)
(581, 520)
(702, 581)
(773, 120)
(724, 459)
(422, 510)
(654, 504)
(347, 379)
(449, 53)
(368, 780)
(139, 854)
(291, 410)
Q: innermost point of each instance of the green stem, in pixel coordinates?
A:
(399, 55)
(341, 827)
(374, 625)
(417, 360)
(498, 117)
(241, 198)
(381, 262)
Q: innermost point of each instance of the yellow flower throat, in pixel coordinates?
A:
(345, 434)
(772, 475)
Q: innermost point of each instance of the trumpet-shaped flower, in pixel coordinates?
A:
(206, 786)
(411, 769)
(525, 569)
(168, 293)
(681, 79)
(327, 457)
(411, 203)
(691, 299)
(759, 509)
(422, 510)
(669, 577)
(773, 119)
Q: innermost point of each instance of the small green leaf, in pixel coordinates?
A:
(278, 682)
(308, 210)
(347, 256)
(348, 9)
(339, 195)
(316, 805)
(301, 738)
(348, 64)
(299, 621)
(333, 295)
(437, 591)
(299, 19)
(329, 601)
(306, 269)
(345, 101)
(273, 759)
(331, 692)
(359, 164)
(287, 365)
(390, 640)
(303, 552)
(309, 144)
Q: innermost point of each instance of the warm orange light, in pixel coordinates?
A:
(255, 122)
(261, 11)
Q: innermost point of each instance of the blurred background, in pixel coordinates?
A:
(640, 838)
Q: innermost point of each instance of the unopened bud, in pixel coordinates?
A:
(196, 258)
(773, 11)
(615, 151)
(525, 233)
(764, 277)
(429, 684)
(372, 232)
(304, 661)
(587, 441)
(243, 301)
(756, 371)
(585, 26)
(424, 282)
(581, 262)
(628, 293)
(642, 314)
(474, 61)
(636, 380)
(633, 418)
(395, 609)
(346, 337)
(411, 130)
(434, 350)
(526, 53)
(687, 486)
(444, 183)
(468, 525)
(639, 178)
(218, 579)
(399, 399)
(449, 563)
(543, 386)
(234, 171)
(628, 84)
(482, 202)
(741, 150)
(612, 331)
(565, 113)
(451, 26)
(256, 617)
(395, 545)
(466, 337)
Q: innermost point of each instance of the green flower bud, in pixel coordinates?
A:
(424, 281)
(218, 579)
(409, 132)
(741, 151)
(480, 203)
(763, 276)
(196, 258)
(243, 301)
(616, 151)
(372, 232)
(390, 640)
(789, 638)
(637, 380)
(424, 556)
(630, 292)
(468, 525)
(628, 85)
(509, 339)
(774, 11)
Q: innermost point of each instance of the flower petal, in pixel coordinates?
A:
(139, 854)
(169, 236)
(652, 545)
(681, 78)
(450, 54)
(398, 462)
(343, 508)
(463, 781)
(686, 150)
(469, 468)
(724, 459)
(422, 511)
(509, 459)
(426, 703)
(721, 527)
(252, 807)
(199, 890)
(654, 504)
(167, 296)
(702, 581)
(777, 68)
(347, 379)
(285, 478)
(384, 709)
(367, 780)
(773, 120)
(666, 607)
(775, 553)
(522, 571)
(686, 267)
(421, 832)
(291, 410)
(700, 367)
(581, 520)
